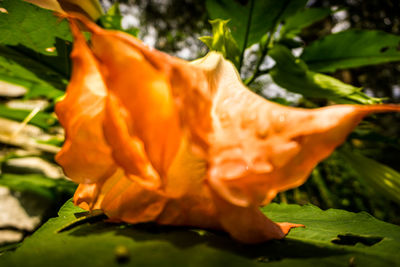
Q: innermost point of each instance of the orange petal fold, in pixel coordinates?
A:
(85, 156)
(150, 137)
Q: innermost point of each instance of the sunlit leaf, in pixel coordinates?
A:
(293, 74)
(35, 28)
(353, 48)
(331, 238)
(222, 41)
(380, 177)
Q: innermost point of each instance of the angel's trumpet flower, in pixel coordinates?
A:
(150, 137)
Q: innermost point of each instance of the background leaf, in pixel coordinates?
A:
(303, 18)
(39, 79)
(41, 119)
(112, 20)
(331, 238)
(40, 185)
(378, 176)
(222, 41)
(27, 28)
(293, 74)
(352, 48)
(259, 19)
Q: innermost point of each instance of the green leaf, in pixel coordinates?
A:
(222, 41)
(251, 21)
(40, 80)
(350, 49)
(31, 26)
(331, 238)
(380, 177)
(292, 74)
(38, 184)
(302, 19)
(41, 119)
(112, 21)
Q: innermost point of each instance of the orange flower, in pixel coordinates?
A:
(150, 137)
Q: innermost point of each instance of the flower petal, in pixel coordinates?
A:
(144, 93)
(189, 144)
(87, 196)
(258, 148)
(123, 199)
(85, 156)
(155, 102)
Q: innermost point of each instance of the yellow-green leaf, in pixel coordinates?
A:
(222, 41)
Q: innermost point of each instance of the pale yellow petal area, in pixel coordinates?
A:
(89, 8)
(85, 156)
(128, 150)
(257, 147)
(47, 4)
(190, 203)
(187, 173)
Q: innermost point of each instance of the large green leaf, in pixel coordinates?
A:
(252, 19)
(222, 41)
(31, 26)
(39, 79)
(353, 48)
(380, 177)
(293, 74)
(331, 238)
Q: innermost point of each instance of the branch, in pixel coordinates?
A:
(264, 49)
(246, 37)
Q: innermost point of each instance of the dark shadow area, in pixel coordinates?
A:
(351, 240)
(187, 237)
(53, 69)
(84, 217)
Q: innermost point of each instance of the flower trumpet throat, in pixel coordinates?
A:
(150, 137)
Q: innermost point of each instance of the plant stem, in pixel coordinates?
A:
(246, 37)
(264, 49)
(325, 194)
(283, 198)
